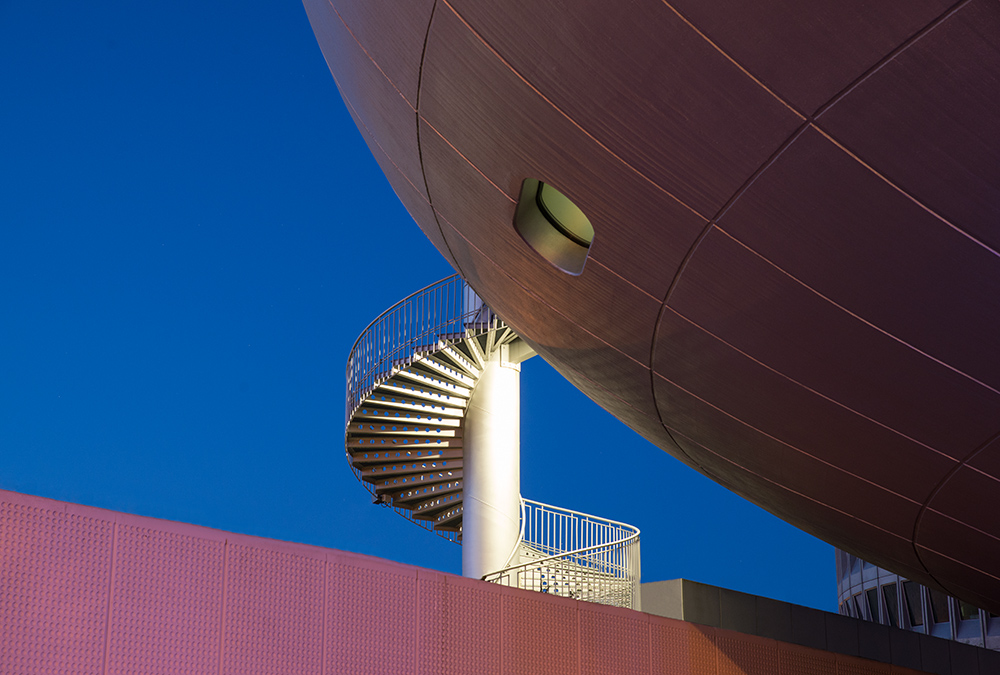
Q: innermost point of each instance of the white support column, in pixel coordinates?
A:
(492, 468)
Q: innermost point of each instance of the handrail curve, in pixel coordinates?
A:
(606, 571)
(445, 311)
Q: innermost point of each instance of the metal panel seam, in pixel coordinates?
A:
(568, 118)
(888, 58)
(579, 641)
(794, 492)
(415, 654)
(814, 391)
(374, 62)
(326, 596)
(503, 637)
(731, 59)
(222, 606)
(684, 263)
(860, 318)
(111, 592)
(540, 299)
(420, 149)
(649, 643)
(903, 192)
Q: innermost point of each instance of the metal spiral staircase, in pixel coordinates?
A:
(412, 380)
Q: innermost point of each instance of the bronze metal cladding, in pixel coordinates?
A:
(794, 280)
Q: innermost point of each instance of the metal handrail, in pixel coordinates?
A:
(445, 311)
(607, 571)
(437, 315)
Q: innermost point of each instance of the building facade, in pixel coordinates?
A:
(870, 593)
(790, 266)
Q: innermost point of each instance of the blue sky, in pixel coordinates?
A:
(192, 235)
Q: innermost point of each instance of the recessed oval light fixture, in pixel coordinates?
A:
(553, 225)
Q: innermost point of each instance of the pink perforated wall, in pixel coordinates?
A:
(85, 591)
(166, 602)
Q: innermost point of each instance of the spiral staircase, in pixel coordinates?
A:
(411, 376)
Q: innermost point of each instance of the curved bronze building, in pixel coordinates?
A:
(793, 280)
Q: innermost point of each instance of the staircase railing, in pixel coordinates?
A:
(443, 312)
(574, 555)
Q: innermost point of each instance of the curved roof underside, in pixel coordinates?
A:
(794, 280)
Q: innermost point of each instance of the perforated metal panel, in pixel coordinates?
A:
(430, 623)
(802, 661)
(849, 666)
(539, 635)
(166, 603)
(370, 617)
(186, 599)
(613, 642)
(678, 648)
(54, 574)
(274, 612)
(471, 619)
(740, 655)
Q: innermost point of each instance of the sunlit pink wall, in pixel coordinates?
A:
(83, 590)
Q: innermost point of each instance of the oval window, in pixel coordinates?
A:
(553, 226)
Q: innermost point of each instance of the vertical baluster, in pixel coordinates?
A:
(572, 533)
(548, 529)
(538, 527)
(557, 531)
(541, 527)
(614, 550)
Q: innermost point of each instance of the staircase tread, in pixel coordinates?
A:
(416, 431)
(385, 442)
(412, 494)
(402, 403)
(420, 393)
(398, 416)
(408, 468)
(423, 479)
(435, 381)
(361, 457)
(432, 363)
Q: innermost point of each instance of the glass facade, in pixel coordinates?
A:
(866, 591)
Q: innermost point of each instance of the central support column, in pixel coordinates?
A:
(492, 468)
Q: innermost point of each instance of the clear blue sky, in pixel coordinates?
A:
(192, 235)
